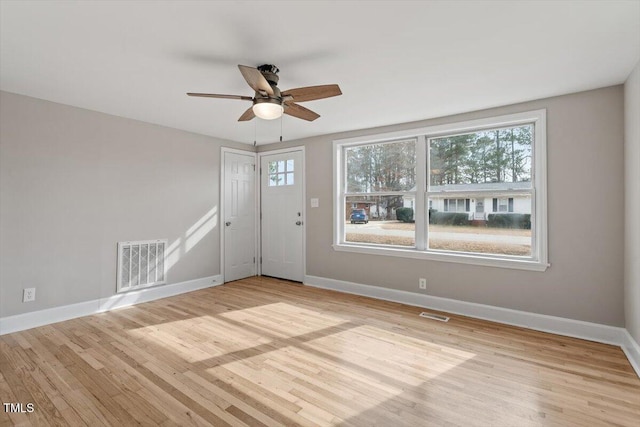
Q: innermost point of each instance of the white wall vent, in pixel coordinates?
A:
(141, 264)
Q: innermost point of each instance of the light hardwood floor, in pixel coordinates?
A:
(266, 352)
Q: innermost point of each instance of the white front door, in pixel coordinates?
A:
(239, 220)
(282, 215)
(479, 214)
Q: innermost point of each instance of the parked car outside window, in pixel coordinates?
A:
(359, 215)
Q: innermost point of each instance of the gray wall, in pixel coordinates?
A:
(74, 182)
(585, 207)
(632, 203)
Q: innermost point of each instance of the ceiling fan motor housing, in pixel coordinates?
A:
(270, 73)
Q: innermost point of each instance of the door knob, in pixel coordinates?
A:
(298, 222)
(228, 223)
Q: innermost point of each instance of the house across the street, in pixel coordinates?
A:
(478, 200)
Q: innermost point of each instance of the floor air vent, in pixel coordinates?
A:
(434, 316)
(141, 264)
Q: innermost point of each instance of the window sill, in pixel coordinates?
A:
(486, 261)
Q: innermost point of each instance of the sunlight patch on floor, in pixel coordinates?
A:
(407, 359)
(323, 367)
(199, 338)
(333, 370)
(237, 333)
(284, 320)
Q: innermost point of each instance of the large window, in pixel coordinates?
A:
(472, 192)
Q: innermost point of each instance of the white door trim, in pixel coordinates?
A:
(221, 197)
(304, 205)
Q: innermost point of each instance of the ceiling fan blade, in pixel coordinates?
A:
(214, 95)
(300, 112)
(247, 115)
(256, 80)
(311, 93)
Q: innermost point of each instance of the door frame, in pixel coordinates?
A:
(256, 206)
(304, 205)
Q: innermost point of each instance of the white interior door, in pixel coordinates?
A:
(239, 220)
(282, 222)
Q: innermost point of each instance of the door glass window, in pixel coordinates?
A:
(281, 173)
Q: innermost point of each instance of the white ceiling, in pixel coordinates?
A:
(395, 61)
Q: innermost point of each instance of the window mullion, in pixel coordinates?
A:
(420, 213)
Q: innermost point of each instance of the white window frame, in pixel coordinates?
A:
(539, 248)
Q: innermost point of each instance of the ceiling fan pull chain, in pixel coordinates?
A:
(255, 132)
(281, 128)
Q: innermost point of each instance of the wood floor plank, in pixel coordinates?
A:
(266, 352)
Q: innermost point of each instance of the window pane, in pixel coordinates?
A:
(381, 167)
(290, 165)
(290, 178)
(382, 220)
(482, 229)
(280, 165)
(484, 157)
(275, 180)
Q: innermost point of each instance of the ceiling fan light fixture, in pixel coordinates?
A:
(267, 109)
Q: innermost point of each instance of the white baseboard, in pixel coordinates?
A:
(540, 322)
(632, 350)
(20, 322)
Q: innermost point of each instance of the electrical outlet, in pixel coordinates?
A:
(29, 294)
(422, 283)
